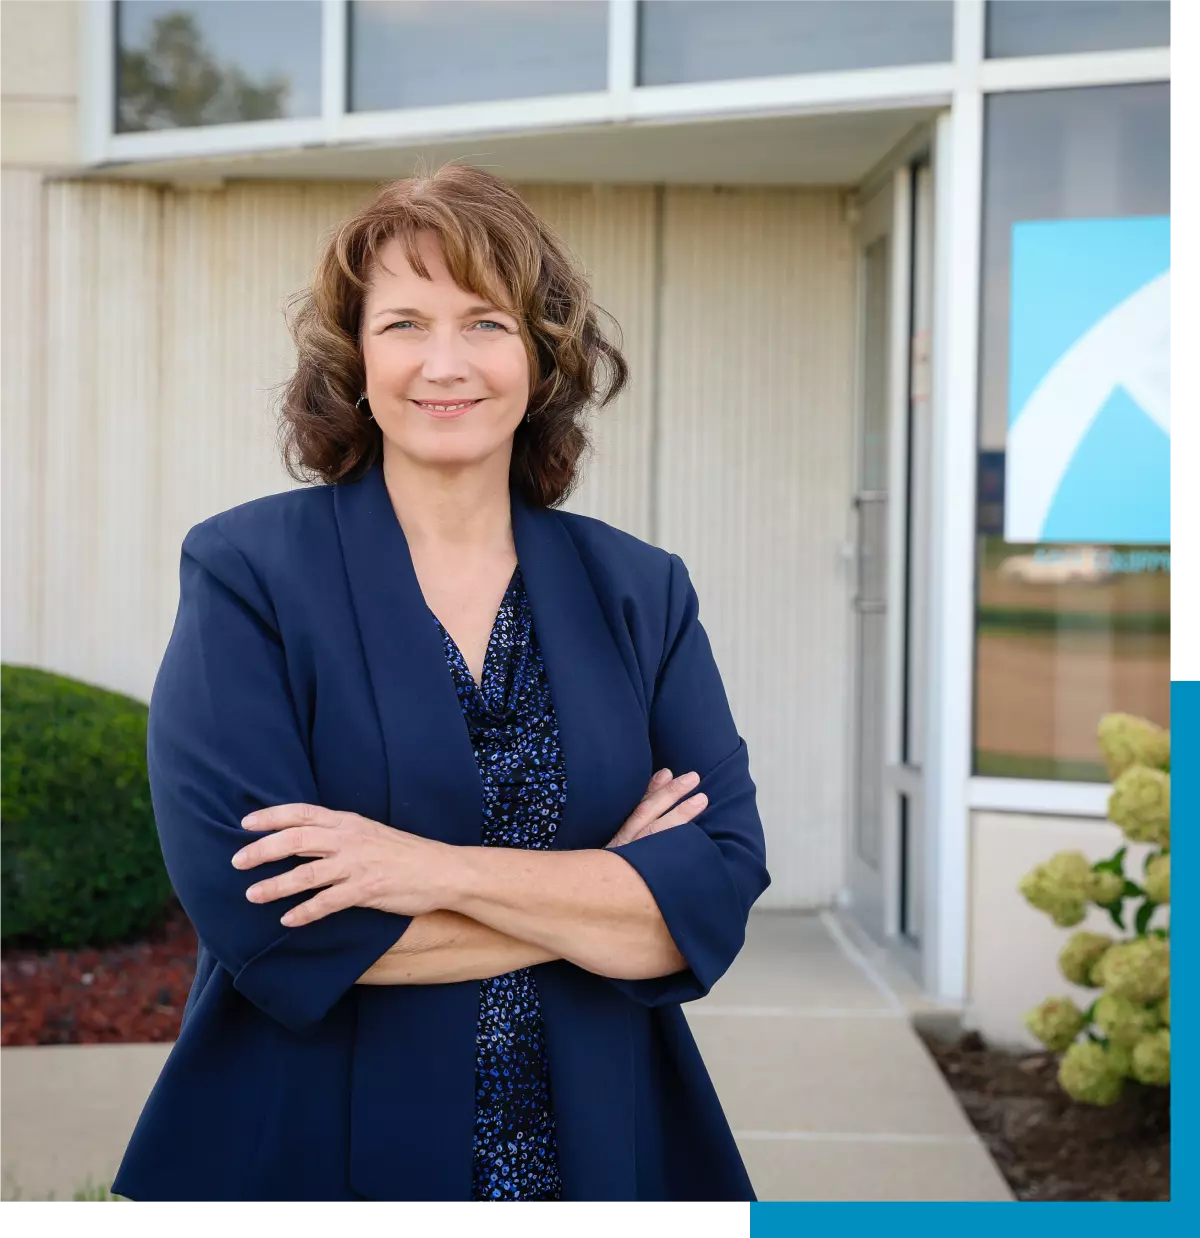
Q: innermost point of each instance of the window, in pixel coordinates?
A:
(1052, 27)
(710, 40)
(181, 65)
(1074, 544)
(409, 54)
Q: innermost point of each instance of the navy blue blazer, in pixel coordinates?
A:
(304, 666)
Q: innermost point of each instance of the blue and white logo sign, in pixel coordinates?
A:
(1089, 421)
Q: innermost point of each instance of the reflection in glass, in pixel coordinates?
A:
(182, 65)
(1065, 633)
(1055, 27)
(421, 53)
(711, 40)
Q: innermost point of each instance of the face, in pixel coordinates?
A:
(429, 346)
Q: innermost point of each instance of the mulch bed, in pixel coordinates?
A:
(130, 994)
(1048, 1146)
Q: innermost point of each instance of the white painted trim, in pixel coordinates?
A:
(958, 170)
(914, 145)
(622, 49)
(97, 79)
(1078, 69)
(970, 40)
(899, 352)
(335, 60)
(545, 112)
(238, 138)
(1039, 798)
(857, 90)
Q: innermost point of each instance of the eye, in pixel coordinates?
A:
(406, 322)
(488, 322)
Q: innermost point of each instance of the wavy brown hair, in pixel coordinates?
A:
(495, 247)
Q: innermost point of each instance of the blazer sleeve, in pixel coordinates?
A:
(706, 874)
(224, 739)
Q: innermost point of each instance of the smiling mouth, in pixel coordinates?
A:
(445, 408)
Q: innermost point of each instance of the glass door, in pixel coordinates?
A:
(886, 847)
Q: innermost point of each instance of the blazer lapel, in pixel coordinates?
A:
(434, 788)
(601, 722)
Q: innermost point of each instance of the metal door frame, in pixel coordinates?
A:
(874, 895)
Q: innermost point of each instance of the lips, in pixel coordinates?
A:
(447, 410)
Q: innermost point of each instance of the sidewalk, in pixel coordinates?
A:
(829, 1092)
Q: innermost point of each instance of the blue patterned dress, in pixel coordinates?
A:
(511, 722)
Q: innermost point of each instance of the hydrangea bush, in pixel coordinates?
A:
(1126, 1032)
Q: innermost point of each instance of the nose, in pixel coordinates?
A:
(445, 356)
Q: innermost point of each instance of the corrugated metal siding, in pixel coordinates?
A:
(22, 371)
(101, 401)
(612, 231)
(231, 260)
(752, 490)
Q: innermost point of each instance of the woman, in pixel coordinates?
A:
(443, 961)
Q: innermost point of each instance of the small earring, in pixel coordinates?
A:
(358, 404)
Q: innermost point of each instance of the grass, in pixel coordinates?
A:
(89, 1192)
(1014, 765)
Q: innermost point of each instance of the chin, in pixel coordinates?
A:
(452, 454)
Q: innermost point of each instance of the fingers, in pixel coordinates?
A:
(279, 815)
(660, 779)
(325, 903)
(692, 807)
(659, 800)
(295, 881)
(298, 840)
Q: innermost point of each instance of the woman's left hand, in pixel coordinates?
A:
(360, 862)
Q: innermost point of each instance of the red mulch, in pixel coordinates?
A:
(1048, 1146)
(129, 994)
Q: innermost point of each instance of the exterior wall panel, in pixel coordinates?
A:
(22, 373)
(753, 488)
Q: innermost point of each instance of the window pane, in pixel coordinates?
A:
(408, 53)
(1050, 27)
(181, 65)
(1073, 608)
(707, 40)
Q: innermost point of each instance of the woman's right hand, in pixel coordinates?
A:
(652, 815)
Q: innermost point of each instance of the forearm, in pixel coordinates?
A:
(590, 907)
(441, 947)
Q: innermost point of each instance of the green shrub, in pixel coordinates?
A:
(81, 859)
(1125, 1030)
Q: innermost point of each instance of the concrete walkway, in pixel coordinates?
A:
(829, 1091)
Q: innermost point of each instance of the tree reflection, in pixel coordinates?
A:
(175, 81)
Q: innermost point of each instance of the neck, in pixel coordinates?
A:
(465, 510)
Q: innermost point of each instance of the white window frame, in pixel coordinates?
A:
(623, 100)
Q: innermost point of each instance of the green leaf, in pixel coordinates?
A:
(1117, 912)
(1090, 1013)
(1142, 920)
(1132, 890)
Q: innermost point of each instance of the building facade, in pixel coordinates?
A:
(890, 277)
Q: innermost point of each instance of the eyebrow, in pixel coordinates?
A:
(408, 311)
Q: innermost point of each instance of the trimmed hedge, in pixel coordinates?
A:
(82, 865)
